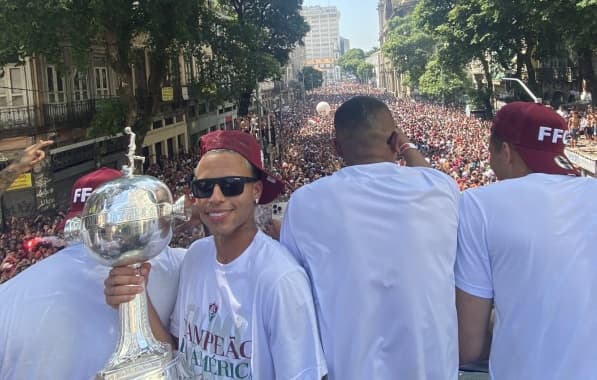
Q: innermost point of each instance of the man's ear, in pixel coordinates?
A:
(392, 142)
(508, 153)
(257, 190)
(337, 146)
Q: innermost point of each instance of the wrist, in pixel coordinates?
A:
(18, 167)
(406, 146)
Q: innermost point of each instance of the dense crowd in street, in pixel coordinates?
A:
(451, 141)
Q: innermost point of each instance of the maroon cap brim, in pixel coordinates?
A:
(272, 187)
(540, 161)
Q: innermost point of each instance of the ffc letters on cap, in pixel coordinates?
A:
(84, 186)
(538, 134)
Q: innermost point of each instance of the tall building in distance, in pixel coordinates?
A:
(344, 45)
(322, 42)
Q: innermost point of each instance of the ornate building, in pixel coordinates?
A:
(389, 78)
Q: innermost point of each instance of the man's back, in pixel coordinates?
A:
(379, 243)
(529, 243)
(54, 322)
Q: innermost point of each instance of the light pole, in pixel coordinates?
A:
(526, 89)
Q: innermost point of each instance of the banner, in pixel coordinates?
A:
(167, 94)
(21, 182)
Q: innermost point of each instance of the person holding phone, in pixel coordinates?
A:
(379, 243)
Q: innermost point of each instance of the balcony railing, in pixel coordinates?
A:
(23, 120)
(17, 117)
(68, 114)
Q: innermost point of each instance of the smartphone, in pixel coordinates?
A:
(278, 209)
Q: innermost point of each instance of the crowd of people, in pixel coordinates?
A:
(363, 237)
(451, 141)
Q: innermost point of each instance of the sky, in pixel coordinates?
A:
(358, 21)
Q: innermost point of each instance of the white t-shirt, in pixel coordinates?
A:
(54, 320)
(378, 242)
(252, 318)
(530, 244)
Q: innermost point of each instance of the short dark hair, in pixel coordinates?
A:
(358, 112)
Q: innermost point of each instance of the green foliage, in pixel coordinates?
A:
(373, 50)
(365, 71)
(440, 83)
(311, 77)
(109, 118)
(408, 47)
(250, 41)
(66, 32)
(506, 36)
(350, 61)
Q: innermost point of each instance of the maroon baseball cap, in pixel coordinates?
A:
(247, 146)
(83, 187)
(538, 134)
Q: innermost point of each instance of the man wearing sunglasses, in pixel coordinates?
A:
(379, 243)
(244, 307)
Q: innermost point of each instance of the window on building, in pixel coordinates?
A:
(12, 88)
(80, 86)
(55, 83)
(188, 69)
(102, 87)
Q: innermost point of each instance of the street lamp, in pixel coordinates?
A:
(524, 86)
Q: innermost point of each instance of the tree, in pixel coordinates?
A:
(408, 47)
(575, 23)
(512, 36)
(465, 32)
(311, 78)
(373, 50)
(65, 31)
(250, 41)
(350, 61)
(440, 83)
(365, 72)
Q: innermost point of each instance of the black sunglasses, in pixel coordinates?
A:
(229, 186)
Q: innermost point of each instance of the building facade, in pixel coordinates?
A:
(45, 100)
(322, 42)
(389, 77)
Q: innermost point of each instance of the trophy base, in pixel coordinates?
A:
(149, 368)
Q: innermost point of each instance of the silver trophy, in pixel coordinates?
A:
(128, 221)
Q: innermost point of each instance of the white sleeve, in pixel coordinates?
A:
(292, 330)
(286, 235)
(176, 312)
(473, 268)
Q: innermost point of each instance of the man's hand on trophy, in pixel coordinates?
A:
(124, 283)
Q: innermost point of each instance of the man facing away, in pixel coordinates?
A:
(54, 323)
(378, 242)
(526, 246)
(244, 307)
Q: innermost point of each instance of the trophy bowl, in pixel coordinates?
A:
(128, 221)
